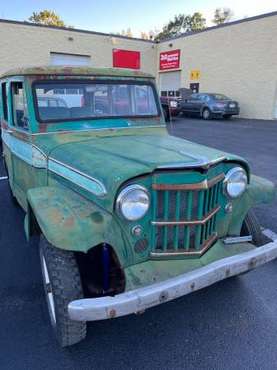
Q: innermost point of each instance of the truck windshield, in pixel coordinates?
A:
(66, 101)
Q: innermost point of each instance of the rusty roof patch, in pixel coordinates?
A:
(75, 71)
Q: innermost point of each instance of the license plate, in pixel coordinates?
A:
(232, 105)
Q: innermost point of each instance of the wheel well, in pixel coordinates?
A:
(203, 108)
(91, 266)
(94, 272)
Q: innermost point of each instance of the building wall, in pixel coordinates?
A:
(25, 45)
(237, 60)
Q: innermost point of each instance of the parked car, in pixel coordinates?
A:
(171, 107)
(210, 105)
(128, 216)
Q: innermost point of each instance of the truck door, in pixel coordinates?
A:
(17, 138)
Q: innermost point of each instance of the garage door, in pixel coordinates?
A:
(69, 59)
(170, 83)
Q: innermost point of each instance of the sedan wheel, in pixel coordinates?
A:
(206, 114)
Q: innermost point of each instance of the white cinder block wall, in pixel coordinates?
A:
(238, 60)
(25, 45)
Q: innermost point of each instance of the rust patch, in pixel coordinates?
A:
(69, 222)
(227, 273)
(42, 127)
(197, 186)
(4, 124)
(252, 263)
(21, 135)
(97, 217)
(163, 296)
(56, 216)
(112, 313)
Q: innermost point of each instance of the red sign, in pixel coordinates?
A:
(126, 59)
(170, 59)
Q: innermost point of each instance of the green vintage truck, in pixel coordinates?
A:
(128, 216)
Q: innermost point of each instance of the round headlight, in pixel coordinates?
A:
(133, 202)
(235, 182)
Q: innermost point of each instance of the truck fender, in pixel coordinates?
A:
(258, 191)
(71, 222)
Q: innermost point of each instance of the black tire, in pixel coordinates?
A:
(62, 286)
(206, 114)
(251, 226)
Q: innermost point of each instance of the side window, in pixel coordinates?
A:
(19, 106)
(203, 98)
(4, 100)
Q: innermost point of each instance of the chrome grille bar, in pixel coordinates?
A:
(184, 217)
(188, 223)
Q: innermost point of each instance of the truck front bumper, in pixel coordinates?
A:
(138, 300)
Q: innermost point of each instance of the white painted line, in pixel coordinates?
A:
(270, 234)
(3, 178)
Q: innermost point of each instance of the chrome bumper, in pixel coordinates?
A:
(138, 300)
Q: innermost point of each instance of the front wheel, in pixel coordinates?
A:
(251, 226)
(62, 284)
(206, 114)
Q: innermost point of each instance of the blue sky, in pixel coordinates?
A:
(140, 15)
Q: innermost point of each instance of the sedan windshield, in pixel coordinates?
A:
(65, 101)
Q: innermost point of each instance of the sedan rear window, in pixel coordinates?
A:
(59, 101)
(220, 97)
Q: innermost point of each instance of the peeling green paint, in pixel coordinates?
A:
(70, 174)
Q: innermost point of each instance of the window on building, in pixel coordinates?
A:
(19, 106)
(4, 100)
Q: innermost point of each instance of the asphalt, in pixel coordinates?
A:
(230, 325)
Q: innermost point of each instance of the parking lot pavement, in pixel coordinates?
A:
(231, 325)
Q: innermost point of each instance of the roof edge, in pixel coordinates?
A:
(249, 19)
(25, 23)
(228, 24)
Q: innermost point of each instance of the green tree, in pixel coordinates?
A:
(182, 24)
(47, 17)
(196, 22)
(222, 15)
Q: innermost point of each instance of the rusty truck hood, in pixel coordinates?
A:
(114, 158)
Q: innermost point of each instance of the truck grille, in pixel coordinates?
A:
(184, 217)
